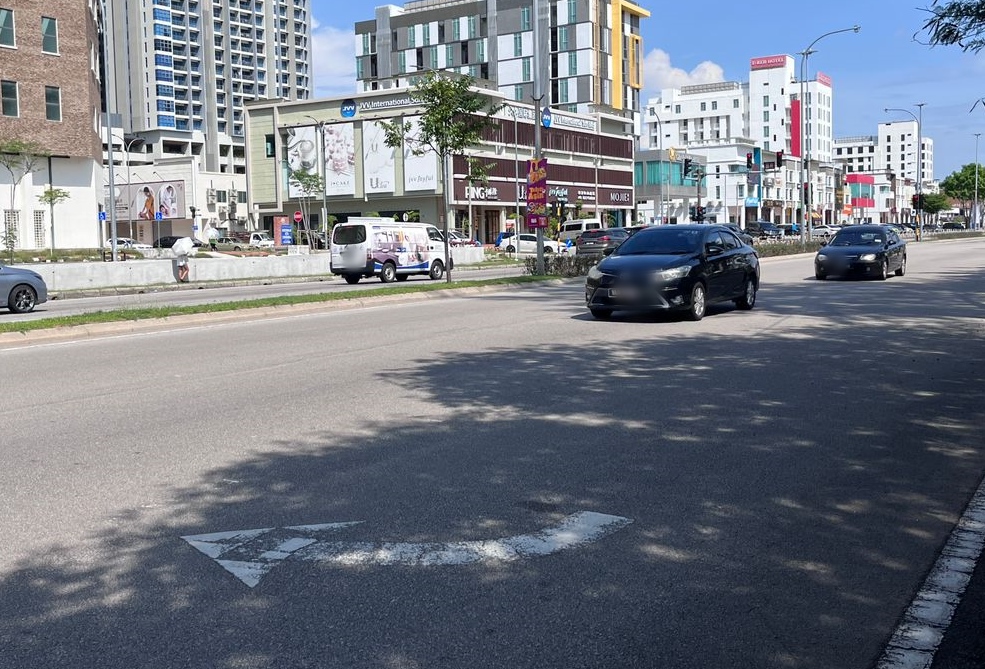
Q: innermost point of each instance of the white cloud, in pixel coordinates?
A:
(333, 60)
(659, 73)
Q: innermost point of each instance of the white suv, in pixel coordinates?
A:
(528, 244)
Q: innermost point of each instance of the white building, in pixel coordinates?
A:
(762, 119)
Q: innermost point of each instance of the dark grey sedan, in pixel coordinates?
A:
(595, 242)
(863, 251)
(21, 289)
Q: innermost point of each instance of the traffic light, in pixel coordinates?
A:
(699, 214)
(692, 213)
(687, 166)
(779, 159)
(920, 202)
(915, 201)
(749, 161)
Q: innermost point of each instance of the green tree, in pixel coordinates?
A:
(960, 22)
(19, 158)
(960, 185)
(452, 121)
(51, 197)
(935, 203)
(309, 184)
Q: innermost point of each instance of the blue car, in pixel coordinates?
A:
(21, 289)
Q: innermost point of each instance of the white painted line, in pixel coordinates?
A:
(249, 555)
(919, 633)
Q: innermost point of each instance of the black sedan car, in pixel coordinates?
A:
(863, 251)
(674, 267)
(168, 242)
(595, 242)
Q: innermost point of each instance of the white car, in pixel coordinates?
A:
(128, 243)
(824, 231)
(528, 244)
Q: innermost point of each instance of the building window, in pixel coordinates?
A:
(53, 103)
(449, 55)
(526, 67)
(704, 106)
(525, 18)
(401, 62)
(562, 90)
(517, 44)
(572, 11)
(6, 27)
(39, 229)
(8, 98)
(480, 51)
(766, 101)
(426, 34)
(518, 93)
(677, 109)
(456, 30)
(472, 27)
(714, 105)
(49, 34)
(573, 63)
(735, 103)
(434, 57)
(268, 146)
(412, 36)
(766, 117)
(562, 38)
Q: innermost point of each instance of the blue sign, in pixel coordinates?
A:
(752, 201)
(286, 236)
(545, 117)
(158, 216)
(102, 216)
(348, 108)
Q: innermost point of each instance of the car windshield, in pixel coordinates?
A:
(666, 240)
(857, 238)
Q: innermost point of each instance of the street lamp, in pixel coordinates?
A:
(975, 220)
(805, 170)
(919, 120)
(126, 150)
(516, 177)
(109, 117)
(324, 175)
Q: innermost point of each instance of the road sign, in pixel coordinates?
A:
(545, 117)
(102, 216)
(298, 217)
(158, 216)
(249, 555)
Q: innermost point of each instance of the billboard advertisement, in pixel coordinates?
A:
(302, 155)
(150, 200)
(420, 171)
(379, 174)
(340, 159)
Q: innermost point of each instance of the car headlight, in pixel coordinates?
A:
(867, 257)
(821, 257)
(672, 274)
(594, 274)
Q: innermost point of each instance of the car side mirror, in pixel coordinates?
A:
(608, 250)
(714, 249)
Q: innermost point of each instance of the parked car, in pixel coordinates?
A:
(594, 242)
(21, 289)
(823, 231)
(127, 243)
(168, 241)
(231, 244)
(459, 238)
(763, 230)
(739, 232)
(953, 225)
(528, 244)
(862, 250)
(674, 267)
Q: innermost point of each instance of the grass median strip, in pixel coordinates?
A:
(145, 313)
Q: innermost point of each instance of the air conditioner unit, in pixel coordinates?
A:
(770, 181)
(222, 212)
(210, 195)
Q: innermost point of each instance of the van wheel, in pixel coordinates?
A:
(437, 270)
(389, 273)
(352, 279)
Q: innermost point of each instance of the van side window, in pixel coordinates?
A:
(349, 234)
(435, 235)
(593, 226)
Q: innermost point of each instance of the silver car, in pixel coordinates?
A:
(21, 289)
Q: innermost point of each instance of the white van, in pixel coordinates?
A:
(572, 229)
(370, 246)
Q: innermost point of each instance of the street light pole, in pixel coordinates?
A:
(805, 169)
(919, 120)
(109, 132)
(975, 219)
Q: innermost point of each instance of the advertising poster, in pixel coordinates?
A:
(420, 171)
(144, 201)
(340, 159)
(379, 174)
(302, 155)
(537, 193)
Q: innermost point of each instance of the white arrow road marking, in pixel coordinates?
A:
(250, 554)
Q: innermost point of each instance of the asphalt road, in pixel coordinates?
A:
(783, 480)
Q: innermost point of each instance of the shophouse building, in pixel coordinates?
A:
(590, 164)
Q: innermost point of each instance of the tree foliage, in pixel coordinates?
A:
(935, 203)
(451, 124)
(309, 184)
(961, 184)
(19, 157)
(960, 22)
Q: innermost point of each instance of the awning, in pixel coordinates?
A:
(815, 216)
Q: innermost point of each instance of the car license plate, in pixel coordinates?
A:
(622, 293)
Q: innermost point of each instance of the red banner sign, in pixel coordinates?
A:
(537, 193)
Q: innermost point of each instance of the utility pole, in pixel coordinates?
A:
(975, 218)
(538, 153)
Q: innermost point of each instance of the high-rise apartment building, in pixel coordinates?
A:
(590, 51)
(182, 70)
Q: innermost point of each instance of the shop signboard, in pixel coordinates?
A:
(537, 193)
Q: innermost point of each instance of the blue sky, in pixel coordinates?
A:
(690, 43)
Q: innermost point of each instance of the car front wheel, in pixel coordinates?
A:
(22, 299)
(698, 305)
(748, 299)
(602, 314)
(884, 270)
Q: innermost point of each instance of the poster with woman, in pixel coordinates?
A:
(302, 155)
(144, 204)
(340, 159)
(168, 199)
